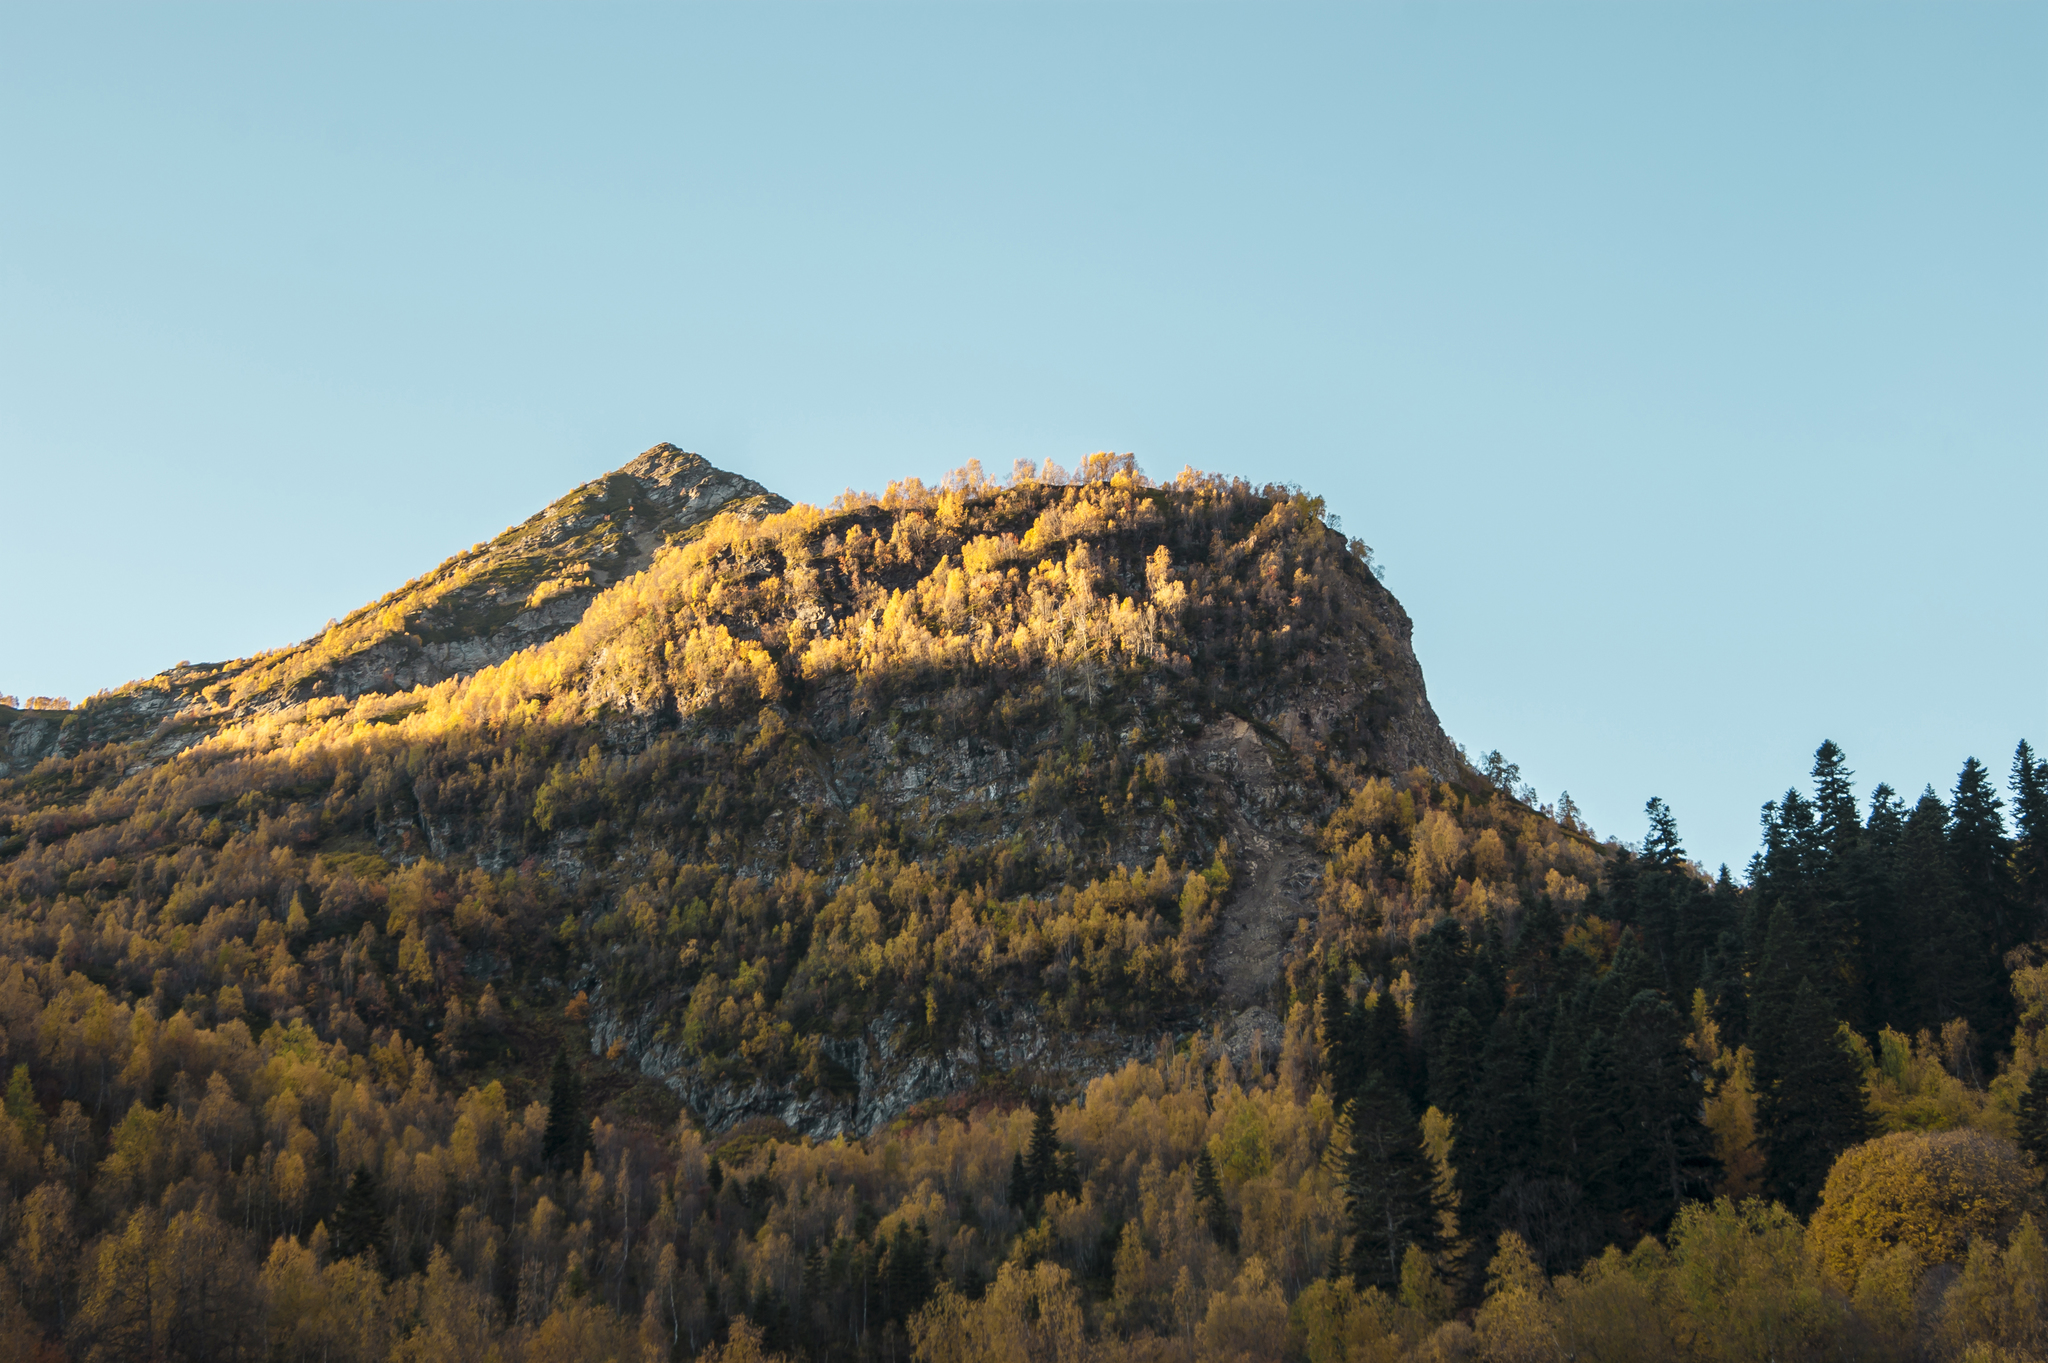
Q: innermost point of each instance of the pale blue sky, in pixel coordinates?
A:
(1684, 363)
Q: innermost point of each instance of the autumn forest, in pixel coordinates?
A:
(1035, 919)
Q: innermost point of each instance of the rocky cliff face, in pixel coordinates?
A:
(1101, 682)
(1255, 769)
(525, 587)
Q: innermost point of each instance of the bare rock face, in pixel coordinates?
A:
(477, 609)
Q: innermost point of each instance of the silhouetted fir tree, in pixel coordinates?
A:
(2032, 1129)
(1780, 967)
(1782, 890)
(1215, 1210)
(714, 1173)
(1595, 1151)
(1677, 914)
(1454, 1062)
(1443, 965)
(1368, 1039)
(1837, 826)
(1346, 1047)
(770, 1312)
(1833, 900)
(1978, 852)
(1952, 967)
(359, 1220)
(1668, 1153)
(1561, 1088)
(1809, 1096)
(1493, 1136)
(1587, 1097)
(1020, 1183)
(907, 1275)
(1888, 965)
(1981, 877)
(563, 1140)
(1389, 1187)
(1045, 1171)
(813, 1280)
(2030, 849)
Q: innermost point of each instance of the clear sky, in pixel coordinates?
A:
(1687, 365)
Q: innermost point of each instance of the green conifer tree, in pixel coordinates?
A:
(1981, 868)
(1020, 1183)
(359, 1219)
(1389, 1187)
(563, 1140)
(1810, 1097)
(1668, 1155)
(1209, 1197)
(2030, 850)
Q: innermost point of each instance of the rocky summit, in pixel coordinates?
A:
(526, 586)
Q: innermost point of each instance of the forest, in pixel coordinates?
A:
(335, 1034)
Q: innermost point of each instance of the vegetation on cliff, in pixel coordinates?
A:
(344, 1033)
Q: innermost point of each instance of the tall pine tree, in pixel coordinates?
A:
(1810, 1095)
(1668, 1156)
(1986, 903)
(2030, 850)
(359, 1220)
(563, 1140)
(1389, 1186)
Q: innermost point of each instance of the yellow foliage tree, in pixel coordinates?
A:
(1929, 1192)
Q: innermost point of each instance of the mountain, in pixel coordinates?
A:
(1081, 704)
(522, 588)
(696, 925)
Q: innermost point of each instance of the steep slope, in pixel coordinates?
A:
(526, 586)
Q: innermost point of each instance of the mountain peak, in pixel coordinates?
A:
(523, 587)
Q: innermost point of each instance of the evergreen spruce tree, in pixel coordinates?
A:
(1042, 1157)
(1837, 825)
(1809, 1097)
(1020, 1183)
(1209, 1197)
(1832, 900)
(1981, 873)
(2030, 850)
(1345, 1044)
(1677, 914)
(1389, 1187)
(1443, 966)
(1493, 1143)
(1953, 968)
(1667, 1157)
(2033, 1122)
(907, 1275)
(1454, 1062)
(563, 1140)
(358, 1220)
(1888, 955)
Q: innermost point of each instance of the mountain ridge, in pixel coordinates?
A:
(525, 585)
